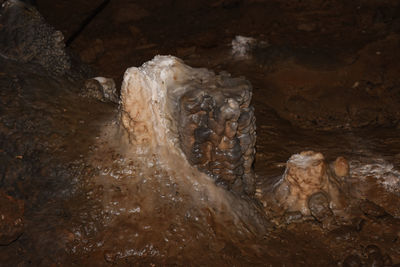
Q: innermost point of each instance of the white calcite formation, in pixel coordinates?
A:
(312, 187)
(191, 115)
(242, 46)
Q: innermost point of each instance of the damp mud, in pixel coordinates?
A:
(78, 189)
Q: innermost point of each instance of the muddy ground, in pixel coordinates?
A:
(325, 78)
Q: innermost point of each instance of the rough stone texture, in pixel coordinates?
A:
(372, 210)
(318, 203)
(341, 167)
(11, 219)
(217, 130)
(310, 186)
(208, 116)
(352, 261)
(100, 88)
(26, 37)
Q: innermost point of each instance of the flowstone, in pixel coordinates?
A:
(168, 107)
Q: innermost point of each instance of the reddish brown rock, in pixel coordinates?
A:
(307, 175)
(11, 219)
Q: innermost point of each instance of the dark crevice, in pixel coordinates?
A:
(86, 21)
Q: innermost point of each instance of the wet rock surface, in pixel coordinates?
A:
(217, 131)
(318, 203)
(208, 116)
(309, 186)
(89, 201)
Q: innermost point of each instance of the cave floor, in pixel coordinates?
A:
(325, 78)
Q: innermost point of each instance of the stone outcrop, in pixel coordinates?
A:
(311, 186)
(27, 38)
(194, 112)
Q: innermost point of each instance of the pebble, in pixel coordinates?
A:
(318, 203)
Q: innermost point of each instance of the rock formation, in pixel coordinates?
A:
(206, 118)
(100, 88)
(26, 37)
(312, 187)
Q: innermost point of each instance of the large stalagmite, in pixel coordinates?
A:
(169, 108)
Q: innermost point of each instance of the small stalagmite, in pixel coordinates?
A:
(311, 186)
(170, 108)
